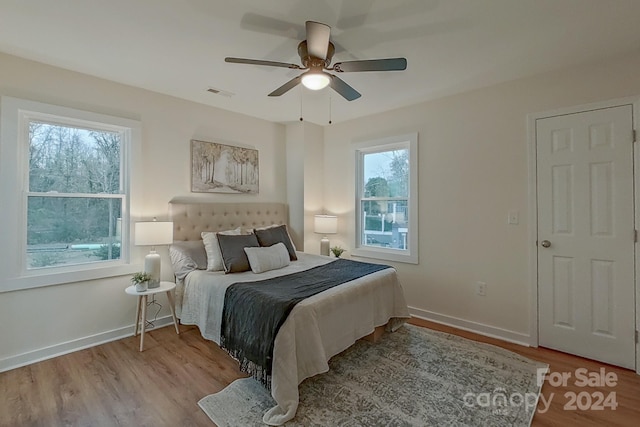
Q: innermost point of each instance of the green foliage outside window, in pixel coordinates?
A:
(69, 170)
(103, 252)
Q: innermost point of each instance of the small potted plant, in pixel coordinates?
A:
(141, 281)
(337, 251)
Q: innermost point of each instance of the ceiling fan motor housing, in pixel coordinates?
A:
(309, 61)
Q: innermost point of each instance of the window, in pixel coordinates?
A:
(75, 194)
(66, 173)
(386, 205)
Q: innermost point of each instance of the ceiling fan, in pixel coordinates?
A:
(316, 53)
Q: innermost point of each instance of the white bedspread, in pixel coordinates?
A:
(317, 328)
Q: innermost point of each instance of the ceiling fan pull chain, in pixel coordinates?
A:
(301, 119)
(329, 107)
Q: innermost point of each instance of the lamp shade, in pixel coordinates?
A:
(153, 233)
(325, 224)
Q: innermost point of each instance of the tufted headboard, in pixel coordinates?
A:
(191, 219)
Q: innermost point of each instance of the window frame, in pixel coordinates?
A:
(410, 142)
(15, 116)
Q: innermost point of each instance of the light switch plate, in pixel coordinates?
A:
(513, 218)
(481, 289)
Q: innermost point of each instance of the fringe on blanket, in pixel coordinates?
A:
(259, 373)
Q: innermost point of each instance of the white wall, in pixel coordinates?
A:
(314, 170)
(304, 142)
(472, 171)
(81, 313)
(295, 182)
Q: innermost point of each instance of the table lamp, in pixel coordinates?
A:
(325, 224)
(153, 233)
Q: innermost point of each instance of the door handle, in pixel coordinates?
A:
(545, 243)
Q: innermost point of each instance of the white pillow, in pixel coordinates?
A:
(211, 245)
(268, 258)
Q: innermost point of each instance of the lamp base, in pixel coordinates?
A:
(152, 267)
(324, 246)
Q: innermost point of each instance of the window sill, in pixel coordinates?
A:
(59, 278)
(386, 255)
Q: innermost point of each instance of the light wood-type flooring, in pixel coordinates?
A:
(115, 385)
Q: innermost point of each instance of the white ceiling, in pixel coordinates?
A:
(177, 47)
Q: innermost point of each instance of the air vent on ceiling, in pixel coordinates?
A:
(220, 92)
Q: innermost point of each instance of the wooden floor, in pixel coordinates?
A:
(115, 385)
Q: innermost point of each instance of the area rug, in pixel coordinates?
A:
(412, 377)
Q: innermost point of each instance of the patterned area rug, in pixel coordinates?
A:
(413, 377)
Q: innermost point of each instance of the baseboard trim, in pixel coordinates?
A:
(467, 325)
(56, 350)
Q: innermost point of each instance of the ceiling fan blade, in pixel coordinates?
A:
(343, 88)
(286, 87)
(318, 39)
(261, 62)
(391, 64)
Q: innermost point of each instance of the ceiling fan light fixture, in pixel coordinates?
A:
(316, 54)
(316, 80)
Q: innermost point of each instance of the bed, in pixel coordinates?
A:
(316, 329)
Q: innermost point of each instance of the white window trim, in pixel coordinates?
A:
(411, 254)
(14, 173)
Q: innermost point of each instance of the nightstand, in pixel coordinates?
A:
(141, 310)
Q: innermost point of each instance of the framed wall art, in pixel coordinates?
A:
(221, 168)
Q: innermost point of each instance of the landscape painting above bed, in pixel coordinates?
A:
(221, 168)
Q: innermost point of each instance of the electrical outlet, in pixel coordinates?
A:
(481, 289)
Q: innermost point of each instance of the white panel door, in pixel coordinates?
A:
(586, 303)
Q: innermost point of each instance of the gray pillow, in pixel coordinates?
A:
(212, 248)
(234, 259)
(193, 249)
(272, 235)
(187, 256)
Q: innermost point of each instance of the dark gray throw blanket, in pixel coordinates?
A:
(253, 312)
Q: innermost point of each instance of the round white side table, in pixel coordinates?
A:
(141, 310)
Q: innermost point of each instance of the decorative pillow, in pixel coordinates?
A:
(272, 235)
(234, 258)
(182, 259)
(273, 226)
(268, 258)
(210, 239)
(193, 249)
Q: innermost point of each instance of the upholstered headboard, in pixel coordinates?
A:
(191, 219)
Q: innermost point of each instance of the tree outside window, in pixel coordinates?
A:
(75, 195)
(384, 202)
(386, 205)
